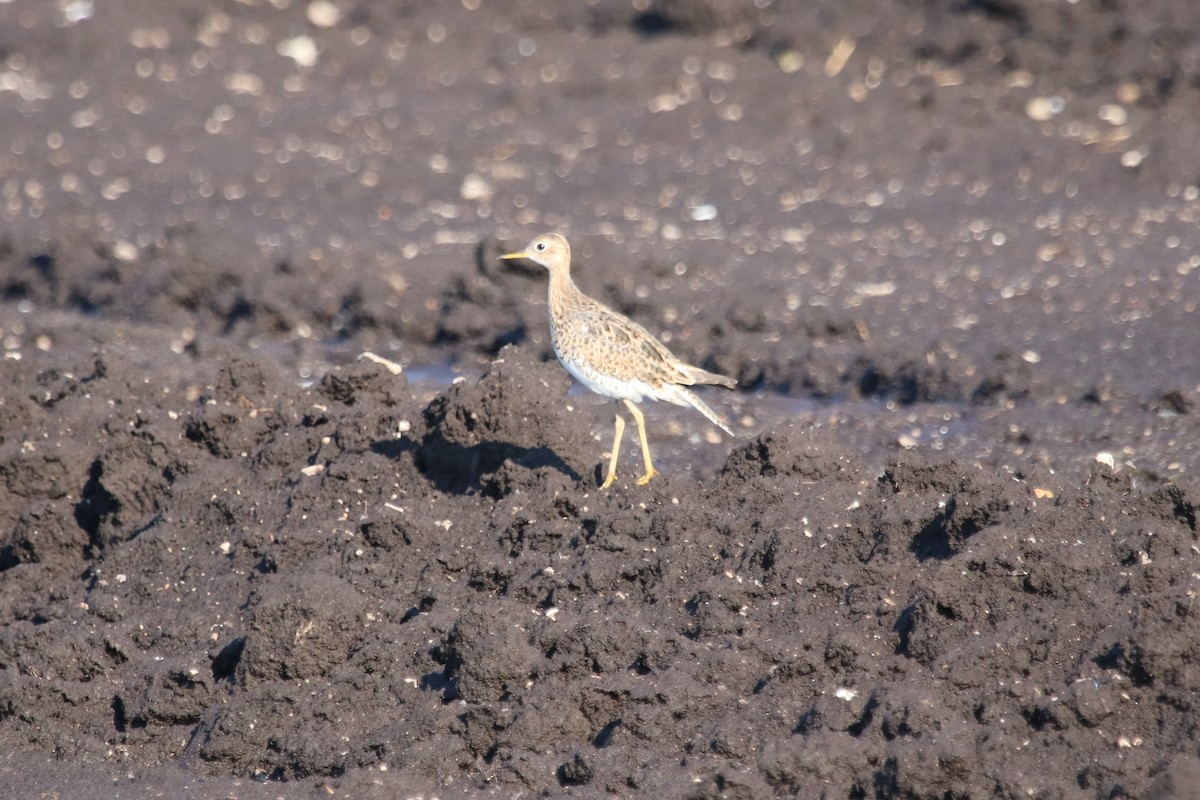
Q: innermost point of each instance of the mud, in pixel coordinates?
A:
(948, 249)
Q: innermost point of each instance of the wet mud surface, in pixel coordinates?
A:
(949, 251)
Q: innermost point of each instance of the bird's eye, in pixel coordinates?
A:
(541, 245)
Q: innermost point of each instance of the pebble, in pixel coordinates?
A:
(1133, 158)
(301, 49)
(1041, 109)
(125, 251)
(476, 188)
(790, 61)
(1114, 114)
(324, 14)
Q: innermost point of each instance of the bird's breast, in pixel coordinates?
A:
(602, 384)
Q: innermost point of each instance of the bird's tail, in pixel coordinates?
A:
(703, 376)
(689, 397)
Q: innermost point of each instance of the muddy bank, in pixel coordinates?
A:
(948, 251)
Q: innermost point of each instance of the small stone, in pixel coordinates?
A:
(1041, 109)
(790, 61)
(301, 49)
(476, 188)
(125, 251)
(324, 14)
(1133, 158)
(1114, 114)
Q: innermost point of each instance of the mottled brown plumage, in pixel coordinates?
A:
(611, 354)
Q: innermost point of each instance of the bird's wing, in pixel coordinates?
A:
(629, 348)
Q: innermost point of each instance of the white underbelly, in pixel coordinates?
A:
(607, 385)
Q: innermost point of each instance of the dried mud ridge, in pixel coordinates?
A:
(972, 221)
(275, 581)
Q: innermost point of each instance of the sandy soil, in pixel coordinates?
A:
(948, 249)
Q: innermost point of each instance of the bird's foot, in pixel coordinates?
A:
(609, 481)
(650, 473)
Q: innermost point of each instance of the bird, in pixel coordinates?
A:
(612, 355)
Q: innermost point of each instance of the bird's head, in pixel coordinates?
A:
(549, 250)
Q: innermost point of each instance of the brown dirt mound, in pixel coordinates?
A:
(947, 248)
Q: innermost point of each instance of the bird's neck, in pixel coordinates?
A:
(562, 288)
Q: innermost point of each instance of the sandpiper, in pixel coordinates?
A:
(611, 354)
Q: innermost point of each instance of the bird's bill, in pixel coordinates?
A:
(511, 256)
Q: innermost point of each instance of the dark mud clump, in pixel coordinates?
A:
(947, 249)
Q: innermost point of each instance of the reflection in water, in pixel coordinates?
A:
(433, 376)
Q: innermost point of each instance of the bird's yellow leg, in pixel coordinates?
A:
(618, 432)
(641, 423)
